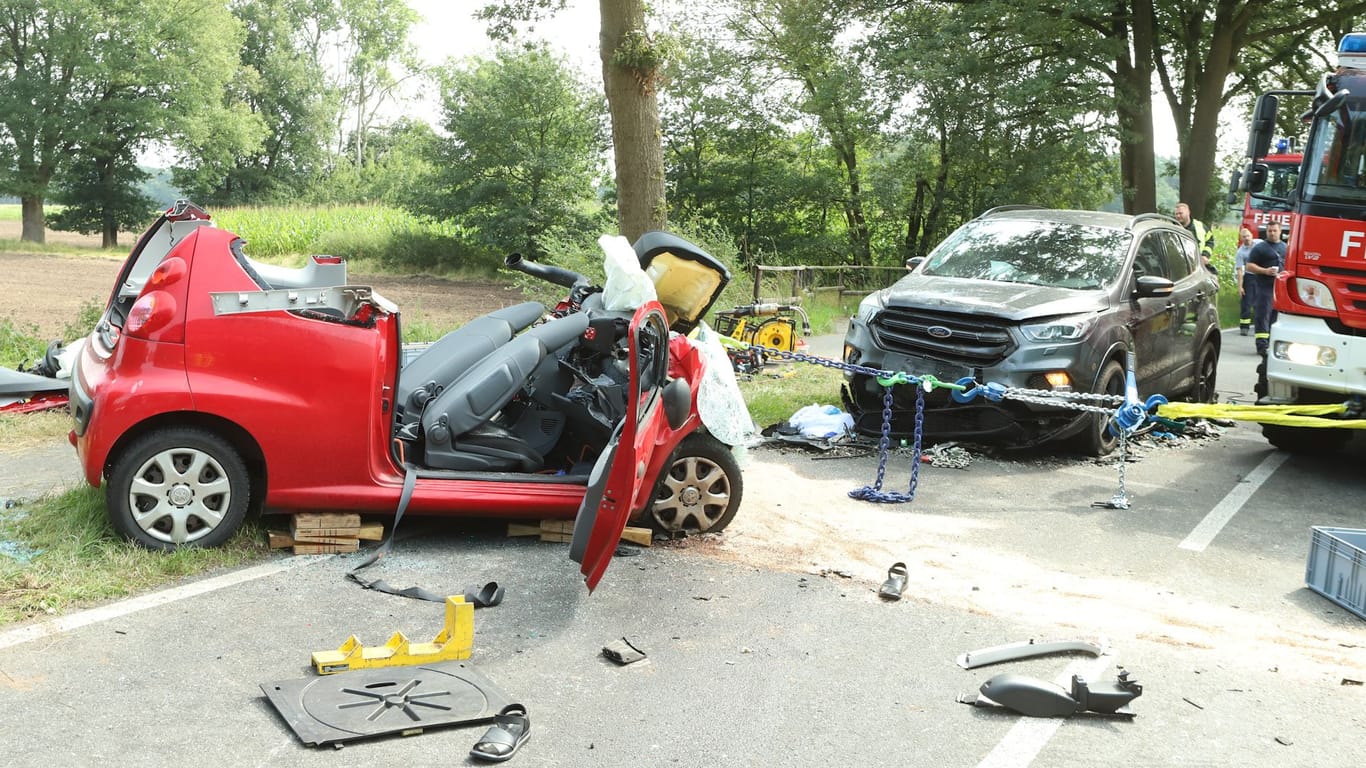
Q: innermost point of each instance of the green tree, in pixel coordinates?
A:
(374, 46)
(1210, 52)
(45, 69)
(286, 88)
(523, 154)
(807, 41)
(731, 159)
(152, 81)
(631, 63)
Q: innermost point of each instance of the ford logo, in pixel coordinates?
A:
(939, 331)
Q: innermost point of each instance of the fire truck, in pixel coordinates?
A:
(1317, 351)
(1282, 171)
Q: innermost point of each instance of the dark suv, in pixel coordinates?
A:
(1046, 300)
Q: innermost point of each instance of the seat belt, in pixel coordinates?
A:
(417, 593)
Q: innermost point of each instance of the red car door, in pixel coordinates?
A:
(618, 484)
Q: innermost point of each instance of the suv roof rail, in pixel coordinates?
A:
(1003, 208)
(1162, 217)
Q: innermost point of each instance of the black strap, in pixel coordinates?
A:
(417, 593)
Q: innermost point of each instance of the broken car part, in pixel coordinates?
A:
(623, 652)
(1025, 650)
(375, 702)
(1033, 697)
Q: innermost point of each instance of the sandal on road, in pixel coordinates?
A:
(895, 584)
(510, 730)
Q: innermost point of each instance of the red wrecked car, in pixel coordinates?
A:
(215, 383)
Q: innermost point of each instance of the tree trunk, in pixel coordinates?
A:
(1134, 108)
(35, 221)
(853, 207)
(1200, 146)
(629, 80)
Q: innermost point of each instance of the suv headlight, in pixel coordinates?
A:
(871, 305)
(1060, 329)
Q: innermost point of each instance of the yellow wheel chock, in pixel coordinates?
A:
(455, 641)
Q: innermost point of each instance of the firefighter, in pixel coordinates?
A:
(1202, 236)
(1264, 263)
(1245, 285)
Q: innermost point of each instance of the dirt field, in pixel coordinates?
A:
(48, 291)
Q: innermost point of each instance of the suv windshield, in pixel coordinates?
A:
(1044, 253)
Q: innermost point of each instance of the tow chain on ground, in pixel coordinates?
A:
(1128, 415)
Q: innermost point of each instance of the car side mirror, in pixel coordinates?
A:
(1153, 285)
(677, 403)
(914, 262)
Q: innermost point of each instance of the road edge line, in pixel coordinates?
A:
(62, 624)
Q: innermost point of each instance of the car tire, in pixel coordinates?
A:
(178, 487)
(1095, 438)
(700, 489)
(1206, 374)
(1310, 441)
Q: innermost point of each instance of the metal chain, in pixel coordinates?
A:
(1078, 401)
(875, 492)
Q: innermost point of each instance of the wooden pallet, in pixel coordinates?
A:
(563, 531)
(321, 533)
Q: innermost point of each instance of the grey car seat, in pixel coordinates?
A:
(456, 426)
(454, 353)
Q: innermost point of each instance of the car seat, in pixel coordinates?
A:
(441, 363)
(456, 425)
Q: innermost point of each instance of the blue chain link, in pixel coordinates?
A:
(874, 492)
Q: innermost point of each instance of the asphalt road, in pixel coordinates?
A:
(768, 646)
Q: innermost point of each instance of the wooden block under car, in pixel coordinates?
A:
(351, 545)
(326, 520)
(563, 531)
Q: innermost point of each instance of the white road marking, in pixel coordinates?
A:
(143, 602)
(1023, 742)
(1224, 511)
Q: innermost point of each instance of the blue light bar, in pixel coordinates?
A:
(1352, 50)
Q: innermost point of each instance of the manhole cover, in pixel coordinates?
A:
(374, 702)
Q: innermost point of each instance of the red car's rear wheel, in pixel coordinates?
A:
(178, 487)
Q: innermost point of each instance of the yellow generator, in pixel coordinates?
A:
(763, 325)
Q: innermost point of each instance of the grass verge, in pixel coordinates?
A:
(60, 553)
(774, 397)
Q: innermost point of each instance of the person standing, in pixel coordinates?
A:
(1245, 286)
(1264, 262)
(1202, 236)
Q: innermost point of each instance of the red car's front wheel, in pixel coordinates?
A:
(178, 487)
(700, 489)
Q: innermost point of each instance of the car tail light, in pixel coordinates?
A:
(151, 313)
(169, 272)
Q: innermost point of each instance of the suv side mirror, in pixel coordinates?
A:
(914, 262)
(1153, 285)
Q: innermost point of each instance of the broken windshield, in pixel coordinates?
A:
(1044, 253)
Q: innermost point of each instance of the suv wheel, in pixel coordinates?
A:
(1095, 439)
(1206, 373)
(178, 487)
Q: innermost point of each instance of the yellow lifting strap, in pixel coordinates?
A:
(1284, 415)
